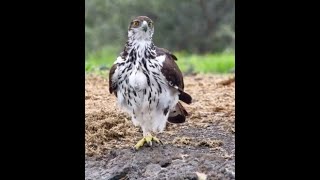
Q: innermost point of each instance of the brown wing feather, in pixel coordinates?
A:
(162, 51)
(173, 74)
(112, 85)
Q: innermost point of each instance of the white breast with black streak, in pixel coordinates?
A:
(143, 91)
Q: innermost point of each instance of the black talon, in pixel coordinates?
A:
(160, 142)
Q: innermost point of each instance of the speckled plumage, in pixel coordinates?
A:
(147, 82)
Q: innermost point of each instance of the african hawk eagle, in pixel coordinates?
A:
(147, 82)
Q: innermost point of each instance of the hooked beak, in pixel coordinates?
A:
(145, 28)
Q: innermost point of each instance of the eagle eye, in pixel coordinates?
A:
(150, 24)
(136, 23)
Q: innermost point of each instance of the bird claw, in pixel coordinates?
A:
(139, 144)
(157, 140)
(147, 139)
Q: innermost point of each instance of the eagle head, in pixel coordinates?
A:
(141, 28)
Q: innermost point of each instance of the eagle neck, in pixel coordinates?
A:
(138, 50)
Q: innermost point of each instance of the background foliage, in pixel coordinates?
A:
(200, 32)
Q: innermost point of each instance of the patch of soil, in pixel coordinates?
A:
(202, 146)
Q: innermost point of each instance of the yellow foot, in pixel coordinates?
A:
(147, 139)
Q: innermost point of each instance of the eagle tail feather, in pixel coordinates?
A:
(185, 97)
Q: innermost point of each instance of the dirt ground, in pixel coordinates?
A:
(203, 146)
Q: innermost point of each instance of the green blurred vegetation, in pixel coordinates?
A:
(188, 63)
(206, 63)
(201, 33)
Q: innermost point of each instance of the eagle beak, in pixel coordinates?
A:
(145, 28)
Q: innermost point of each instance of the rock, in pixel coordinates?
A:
(159, 162)
(152, 170)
